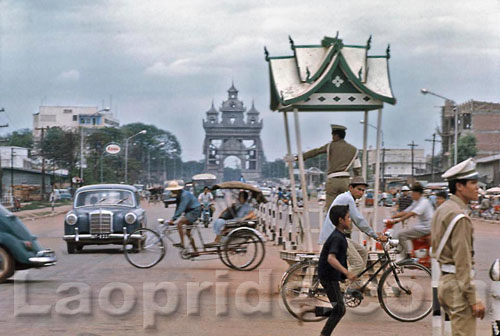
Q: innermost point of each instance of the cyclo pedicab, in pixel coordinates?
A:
(241, 248)
(200, 182)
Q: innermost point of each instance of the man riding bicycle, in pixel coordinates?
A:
(188, 205)
(206, 199)
(357, 255)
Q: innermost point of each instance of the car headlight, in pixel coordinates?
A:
(71, 219)
(130, 218)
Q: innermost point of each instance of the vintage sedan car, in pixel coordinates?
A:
(19, 249)
(103, 214)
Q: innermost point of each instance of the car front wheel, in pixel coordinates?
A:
(6, 265)
(71, 248)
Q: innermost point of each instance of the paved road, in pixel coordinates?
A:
(98, 293)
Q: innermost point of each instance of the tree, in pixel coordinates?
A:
(274, 169)
(466, 148)
(20, 138)
(61, 147)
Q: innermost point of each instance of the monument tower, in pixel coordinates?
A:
(233, 131)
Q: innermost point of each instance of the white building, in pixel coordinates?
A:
(16, 157)
(396, 162)
(68, 117)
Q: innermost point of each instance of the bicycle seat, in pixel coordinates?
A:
(236, 224)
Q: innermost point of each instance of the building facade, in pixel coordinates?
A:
(232, 131)
(16, 157)
(72, 117)
(397, 162)
(480, 119)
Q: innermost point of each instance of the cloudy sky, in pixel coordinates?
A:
(162, 62)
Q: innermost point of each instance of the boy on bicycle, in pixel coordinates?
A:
(332, 267)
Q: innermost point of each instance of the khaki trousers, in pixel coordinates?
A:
(357, 256)
(334, 187)
(456, 306)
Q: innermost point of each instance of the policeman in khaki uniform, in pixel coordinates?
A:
(452, 246)
(341, 157)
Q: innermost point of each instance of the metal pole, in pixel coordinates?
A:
(377, 170)
(365, 147)
(12, 172)
(295, 209)
(126, 161)
(149, 166)
(305, 198)
(81, 153)
(455, 109)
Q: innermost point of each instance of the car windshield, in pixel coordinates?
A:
(104, 197)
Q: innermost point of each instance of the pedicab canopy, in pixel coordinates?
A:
(331, 76)
(256, 192)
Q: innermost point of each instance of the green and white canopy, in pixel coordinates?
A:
(331, 76)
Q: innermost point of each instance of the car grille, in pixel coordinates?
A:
(101, 222)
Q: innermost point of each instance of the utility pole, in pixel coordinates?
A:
(432, 160)
(412, 145)
(383, 169)
(1, 170)
(42, 129)
(12, 173)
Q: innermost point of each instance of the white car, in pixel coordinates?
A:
(322, 196)
(266, 191)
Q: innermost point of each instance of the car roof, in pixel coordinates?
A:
(107, 186)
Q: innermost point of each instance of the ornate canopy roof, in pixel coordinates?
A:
(331, 76)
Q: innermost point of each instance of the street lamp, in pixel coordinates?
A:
(149, 161)
(383, 151)
(126, 152)
(425, 91)
(381, 131)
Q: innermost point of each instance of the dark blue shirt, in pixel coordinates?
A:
(335, 244)
(185, 203)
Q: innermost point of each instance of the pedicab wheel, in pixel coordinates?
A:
(144, 248)
(222, 256)
(299, 295)
(244, 250)
(6, 265)
(405, 292)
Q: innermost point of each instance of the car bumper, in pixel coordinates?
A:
(43, 258)
(85, 237)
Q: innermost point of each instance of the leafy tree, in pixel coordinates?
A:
(467, 148)
(20, 138)
(275, 169)
(61, 147)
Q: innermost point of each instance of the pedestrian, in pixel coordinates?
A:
(341, 156)
(332, 268)
(404, 200)
(52, 199)
(441, 197)
(453, 246)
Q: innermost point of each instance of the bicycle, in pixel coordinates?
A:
(241, 248)
(401, 285)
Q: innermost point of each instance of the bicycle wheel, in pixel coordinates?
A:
(405, 292)
(301, 291)
(222, 256)
(244, 250)
(144, 248)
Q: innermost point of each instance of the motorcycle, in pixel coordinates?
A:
(206, 214)
(421, 246)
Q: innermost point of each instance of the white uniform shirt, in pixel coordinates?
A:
(205, 198)
(424, 210)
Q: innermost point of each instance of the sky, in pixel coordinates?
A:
(163, 62)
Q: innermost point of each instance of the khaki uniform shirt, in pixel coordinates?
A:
(459, 249)
(341, 154)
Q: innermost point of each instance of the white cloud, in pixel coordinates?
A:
(69, 76)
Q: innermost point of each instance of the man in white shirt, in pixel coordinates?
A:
(206, 198)
(423, 209)
(357, 255)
